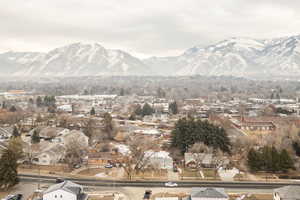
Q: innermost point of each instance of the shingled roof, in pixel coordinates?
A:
(67, 186)
(291, 192)
(202, 192)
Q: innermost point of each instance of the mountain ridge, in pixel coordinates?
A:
(242, 57)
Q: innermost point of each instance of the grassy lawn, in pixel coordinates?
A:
(240, 177)
(210, 174)
(162, 173)
(91, 171)
(190, 173)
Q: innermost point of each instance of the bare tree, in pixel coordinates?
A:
(137, 158)
(75, 151)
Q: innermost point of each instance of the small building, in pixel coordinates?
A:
(66, 190)
(159, 160)
(290, 192)
(202, 193)
(204, 159)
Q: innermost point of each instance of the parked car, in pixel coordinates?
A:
(77, 166)
(59, 180)
(14, 197)
(108, 166)
(147, 194)
(171, 184)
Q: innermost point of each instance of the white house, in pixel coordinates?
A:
(202, 193)
(51, 155)
(291, 192)
(66, 190)
(160, 159)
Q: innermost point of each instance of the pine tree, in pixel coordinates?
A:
(286, 161)
(93, 112)
(132, 117)
(39, 101)
(15, 132)
(108, 125)
(275, 160)
(12, 109)
(35, 138)
(253, 160)
(9, 164)
(138, 110)
(147, 110)
(173, 108)
(189, 131)
(122, 92)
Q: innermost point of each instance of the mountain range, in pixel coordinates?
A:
(242, 57)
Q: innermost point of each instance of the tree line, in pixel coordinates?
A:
(269, 159)
(189, 131)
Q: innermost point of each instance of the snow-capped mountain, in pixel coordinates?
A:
(73, 60)
(237, 57)
(244, 57)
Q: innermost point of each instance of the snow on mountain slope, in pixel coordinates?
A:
(236, 56)
(239, 57)
(74, 60)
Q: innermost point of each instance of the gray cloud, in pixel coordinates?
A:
(142, 27)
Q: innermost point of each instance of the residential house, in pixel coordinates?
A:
(51, 155)
(204, 159)
(159, 160)
(291, 192)
(6, 132)
(66, 190)
(202, 193)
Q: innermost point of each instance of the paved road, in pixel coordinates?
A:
(110, 183)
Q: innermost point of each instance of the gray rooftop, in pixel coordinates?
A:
(290, 192)
(208, 192)
(67, 186)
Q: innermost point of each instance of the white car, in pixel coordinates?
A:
(171, 184)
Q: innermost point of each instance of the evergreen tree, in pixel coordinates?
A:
(138, 110)
(132, 117)
(9, 164)
(275, 160)
(35, 138)
(122, 92)
(286, 161)
(161, 93)
(147, 110)
(254, 160)
(39, 101)
(12, 109)
(4, 105)
(92, 112)
(108, 125)
(30, 101)
(16, 132)
(189, 131)
(173, 108)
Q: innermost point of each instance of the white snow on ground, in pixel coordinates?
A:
(227, 175)
(122, 148)
(101, 175)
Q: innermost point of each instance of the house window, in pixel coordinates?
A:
(55, 196)
(61, 196)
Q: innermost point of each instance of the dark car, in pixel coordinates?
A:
(14, 197)
(59, 180)
(147, 194)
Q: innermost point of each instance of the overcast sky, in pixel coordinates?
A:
(142, 27)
